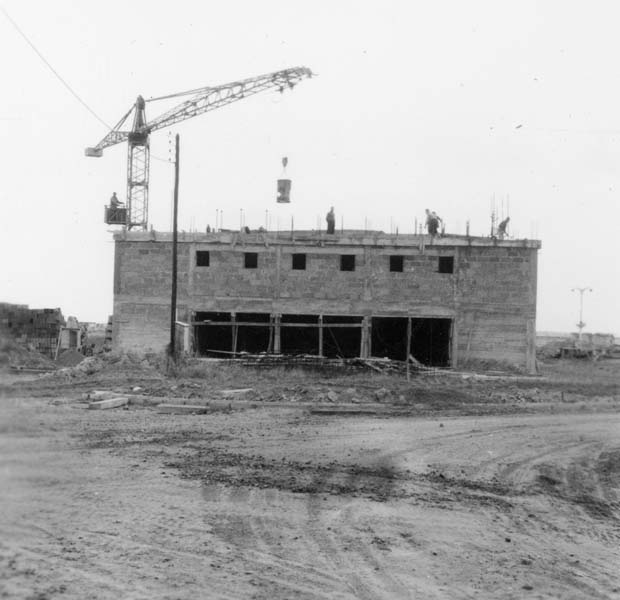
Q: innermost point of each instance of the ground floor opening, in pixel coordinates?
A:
(429, 339)
(224, 334)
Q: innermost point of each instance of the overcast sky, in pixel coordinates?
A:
(445, 105)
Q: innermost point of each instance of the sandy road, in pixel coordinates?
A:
(276, 503)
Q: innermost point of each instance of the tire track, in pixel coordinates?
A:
(251, 533)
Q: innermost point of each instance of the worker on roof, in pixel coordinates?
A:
(432, 222)
(331, 220)
(501, 228)
(114, 201)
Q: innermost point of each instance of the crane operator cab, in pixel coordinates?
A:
(115, 212)
(284, 185)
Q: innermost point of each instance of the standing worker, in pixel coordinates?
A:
(331, 220)
(114, 201)
(501, 228)
(432, 222)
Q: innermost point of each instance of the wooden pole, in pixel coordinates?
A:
(271, 329)
(173, 300)
(408, 345)
(235, 332)
(277, 349)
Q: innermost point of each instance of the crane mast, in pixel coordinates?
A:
(200, 100)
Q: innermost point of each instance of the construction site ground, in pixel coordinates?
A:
(310, 485)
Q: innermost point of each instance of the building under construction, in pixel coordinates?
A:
(444, 301)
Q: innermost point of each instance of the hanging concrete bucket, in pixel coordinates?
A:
(284, 191)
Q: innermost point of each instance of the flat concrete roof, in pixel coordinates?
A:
(314, 238)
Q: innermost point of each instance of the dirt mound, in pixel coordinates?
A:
(70, 358)
(13, 354)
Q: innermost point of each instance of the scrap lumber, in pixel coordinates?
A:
(101, 395)
(341, 410)
(108, 403)
(182, 409)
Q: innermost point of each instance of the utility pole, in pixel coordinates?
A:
(581, 324)
(173, 299)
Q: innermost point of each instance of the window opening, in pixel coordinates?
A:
(446, 264)
(347, 262)
(299, 262)
(251, 260)
(396, 264)
(202, 258)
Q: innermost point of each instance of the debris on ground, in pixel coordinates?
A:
(321, 498)
(109, 403)
(69, 358)
(182, 409)
(312, 362)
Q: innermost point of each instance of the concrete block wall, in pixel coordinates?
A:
(141, 326)
(491, 295)
(142, 289)
(227, 276)
(496, 296)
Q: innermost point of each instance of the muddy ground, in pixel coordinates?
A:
(457, 487)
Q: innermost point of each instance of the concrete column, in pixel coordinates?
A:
(366, 351)
(276, 335)
(363, 337)
(233, 329)
(454, 344)
(278, 276)
(271, 328)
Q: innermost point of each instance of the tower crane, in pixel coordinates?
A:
(200, 100)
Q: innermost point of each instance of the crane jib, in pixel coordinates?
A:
(202, 100)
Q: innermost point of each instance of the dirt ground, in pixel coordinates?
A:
(459, 487)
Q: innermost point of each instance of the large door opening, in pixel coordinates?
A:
(211, 339)
(430, 341)
(342, 337)
(297, 339)
(389, 338)
(253, 339)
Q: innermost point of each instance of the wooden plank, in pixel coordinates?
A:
(101, 395)
(344, 411)
(182, 409)
(109, 403)
(263, 324)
